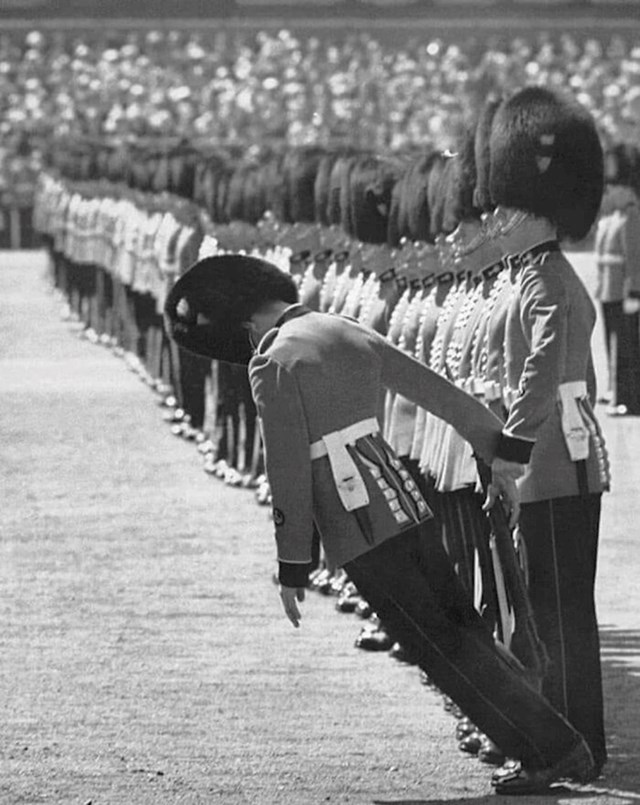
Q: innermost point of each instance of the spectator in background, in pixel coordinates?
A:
(230, 86)
(223, 87)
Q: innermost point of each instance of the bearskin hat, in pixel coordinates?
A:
(395, 224)
(546, 159)
(439, 176)
(453, 189)
(321, 188)
(223, 194)
(371, 185)
(337, 196)
(272, 185)
(459, 205)
(300, 168)
(398, 227)
(182, 168)
(208, 168)
(482, 156)
(416, 201)
(206, 309)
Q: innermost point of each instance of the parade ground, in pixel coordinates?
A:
(144, 654)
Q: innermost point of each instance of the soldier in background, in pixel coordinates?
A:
(617, 249)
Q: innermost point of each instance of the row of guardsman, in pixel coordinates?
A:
(407, 245)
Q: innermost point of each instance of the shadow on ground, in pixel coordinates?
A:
(559, 795)
(620, 649)
(621, 681)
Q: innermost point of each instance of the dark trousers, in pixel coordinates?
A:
(622, 334)
(410, 583)
(194, 371)
(561, 541)
(236, 416)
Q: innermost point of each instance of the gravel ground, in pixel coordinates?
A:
(144, 657)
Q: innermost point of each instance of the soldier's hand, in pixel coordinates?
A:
(630, 305)
(290, 597)
(504, 475)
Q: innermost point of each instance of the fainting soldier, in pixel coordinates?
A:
(546, 177)
(317, 379)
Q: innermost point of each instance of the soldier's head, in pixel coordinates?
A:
(208, 310)
(546, 159)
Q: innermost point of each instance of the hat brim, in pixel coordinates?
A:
(207, 309)
(208, 341)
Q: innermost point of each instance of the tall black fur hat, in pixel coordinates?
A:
(371, 185)
(416, 197)
(546, 159)
(321, 188)
(337, 196)
(300, 167)
(482, 155)
(207, 307)
(460, 204)
(455, 202)
(439, 176)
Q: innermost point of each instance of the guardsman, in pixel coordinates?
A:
(316, 379)
(547, 178)
(617, 249)
(427, 329)
(402, 412)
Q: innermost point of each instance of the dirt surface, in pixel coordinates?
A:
(144, 657)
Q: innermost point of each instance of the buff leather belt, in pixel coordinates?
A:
(610, 259)
(349, 482)
(574, 429)
(576, 433)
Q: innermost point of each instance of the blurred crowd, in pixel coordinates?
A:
(247, 90)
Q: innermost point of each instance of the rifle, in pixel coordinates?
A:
(522, 645)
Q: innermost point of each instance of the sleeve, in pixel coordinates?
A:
(544, 321)
(426, 388)
(288, 465)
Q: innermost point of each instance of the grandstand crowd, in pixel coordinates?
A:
(252, 90)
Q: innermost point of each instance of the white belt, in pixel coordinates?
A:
(474, 385)
(610, 259)
(349, 482)
(492, 390)
(576, 434)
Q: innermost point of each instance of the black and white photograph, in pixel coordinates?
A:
(319, 402)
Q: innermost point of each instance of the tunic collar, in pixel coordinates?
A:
(292, 312)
